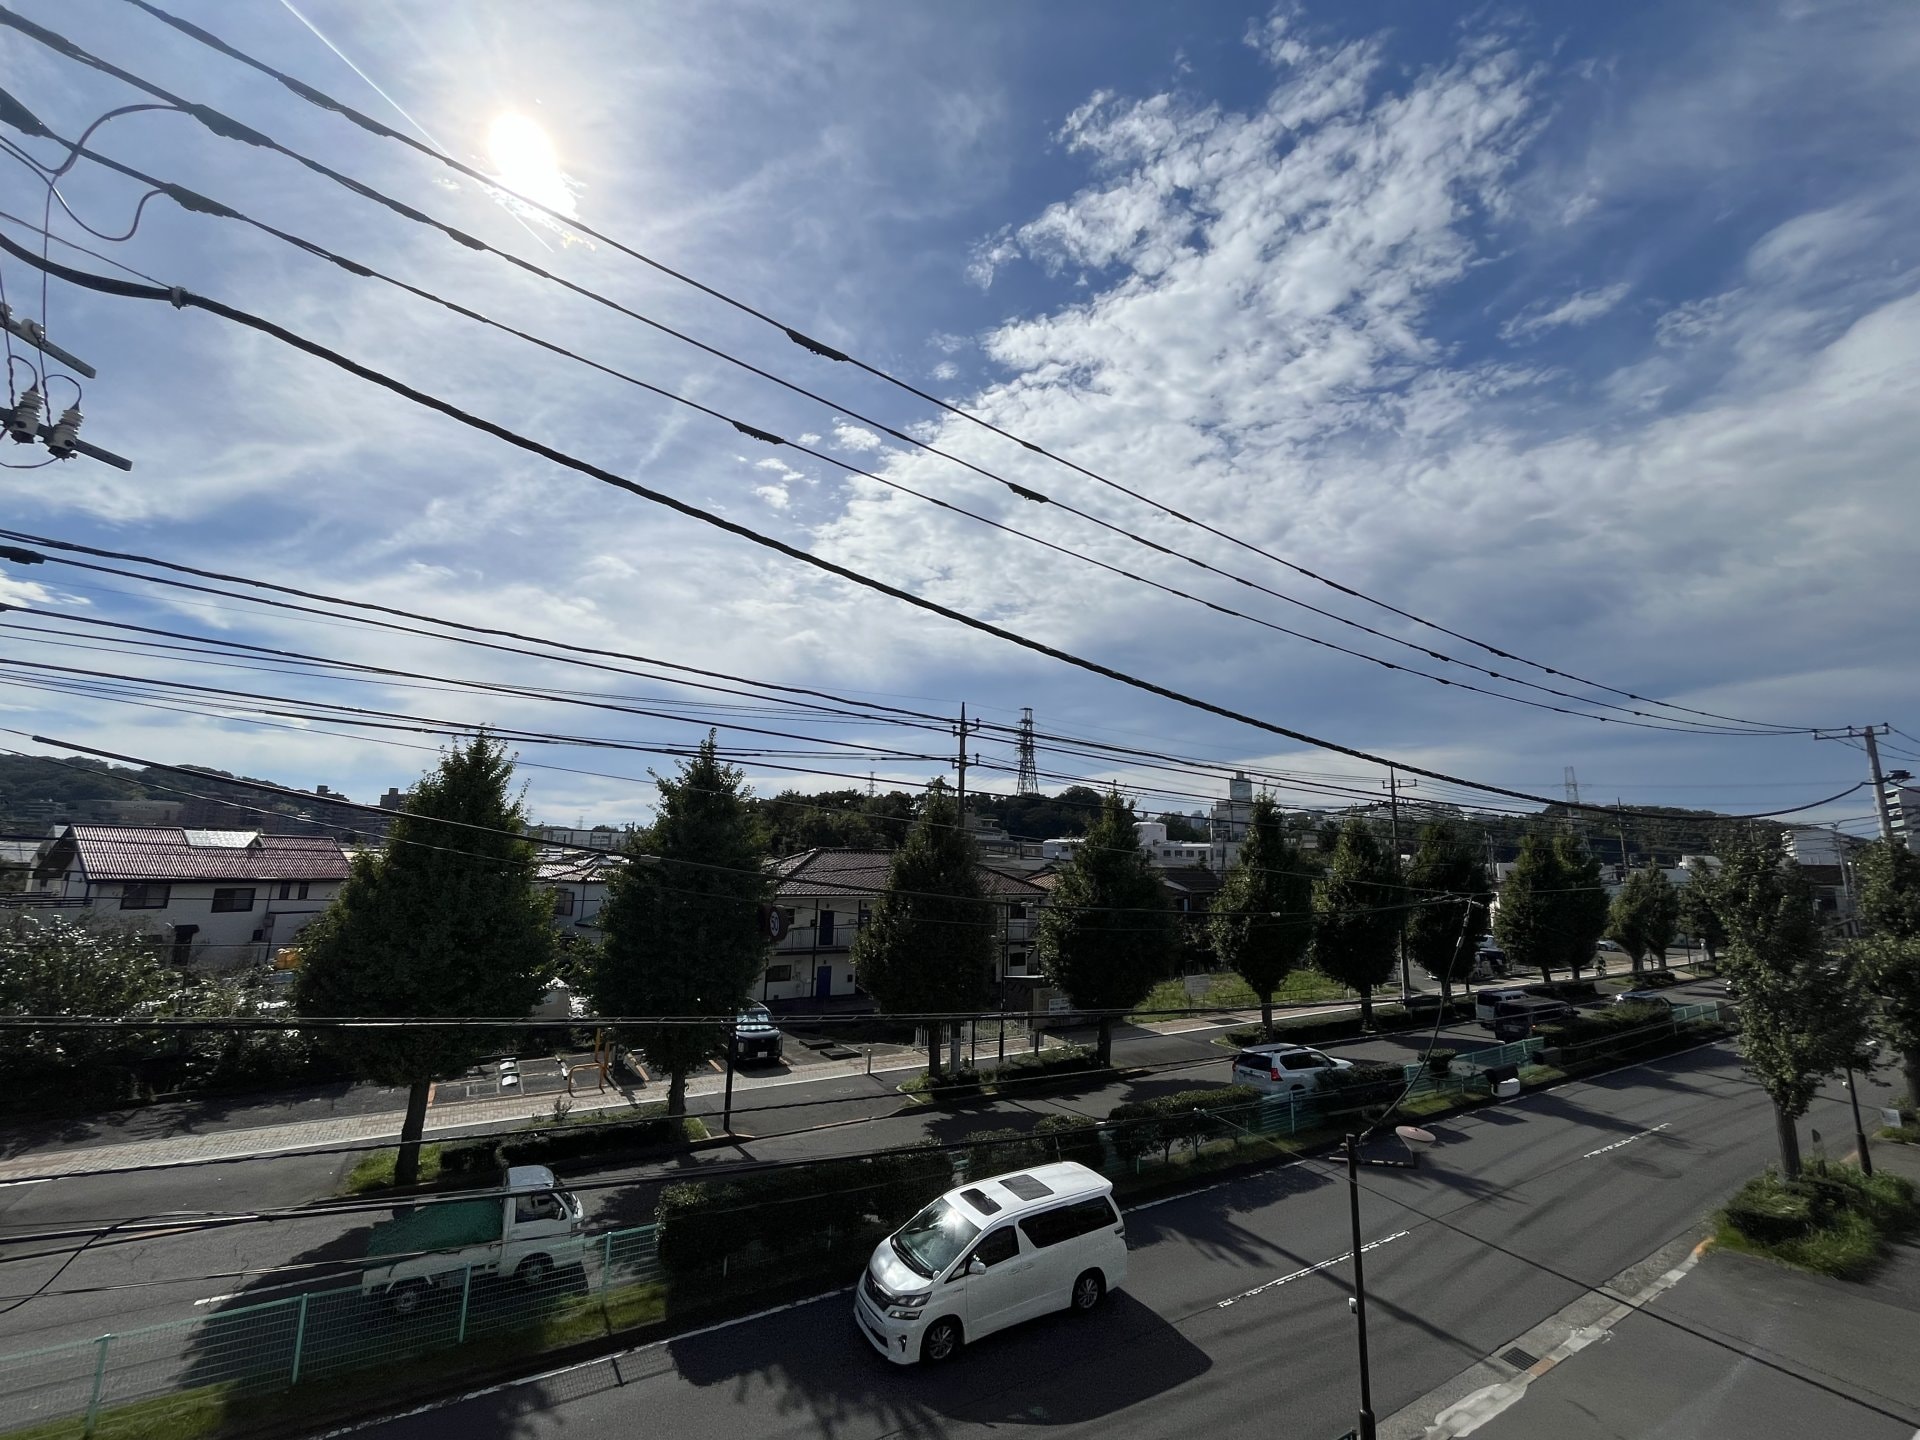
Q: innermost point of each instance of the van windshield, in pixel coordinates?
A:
(934, 1238)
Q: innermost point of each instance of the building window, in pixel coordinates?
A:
(293, 889)
(1016, 912)
(227, 900)
(563, 902)
(777, 973)
(1017, 962)
(824, 935)
(145, 897)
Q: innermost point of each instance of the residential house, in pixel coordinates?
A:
(221, 899)
(827, 896)
(577, 881)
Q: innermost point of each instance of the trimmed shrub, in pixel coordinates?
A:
(1072, 1137)
(1387, 1020)
(1070, 1060)
(780, 1212)
(1767, 1214)
(1440, 1061)
(571, 1142)
(469, 1157)
(1142, 1126)
(995, 1152)
(1362, 1085)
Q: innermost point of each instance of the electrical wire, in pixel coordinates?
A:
(181, 298)
(228, 128)
(194, 202)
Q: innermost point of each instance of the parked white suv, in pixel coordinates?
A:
(991, 1254)
(1284, 1069)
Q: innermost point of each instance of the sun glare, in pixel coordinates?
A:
(524, 162)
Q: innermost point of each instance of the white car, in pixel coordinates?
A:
(1608, 946)
(988, 1255)
(1284, 1069)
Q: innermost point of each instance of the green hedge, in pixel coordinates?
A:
(1830, 1218)
(784, 1211)
(1142, 1126)
(1019, 1071)
(1056, 1137)
(1387, 1020)
(1364, 1083)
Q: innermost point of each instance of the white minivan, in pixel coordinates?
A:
(991, 1254)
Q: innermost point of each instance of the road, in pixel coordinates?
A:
(1226, 1328)
(123, 1283)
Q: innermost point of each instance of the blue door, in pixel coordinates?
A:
(822, 982)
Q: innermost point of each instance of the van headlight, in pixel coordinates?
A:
(899, 1314)
(907, 1307)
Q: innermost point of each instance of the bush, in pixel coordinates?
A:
(779, 1212)
(1072, 1137)
(1440, 1061)
(469, 1157)
(1318, 1030)
(615, 1140)
(1831, 1218)
(1068, 1060)
(996, 1152)
(1141, 1126)
(1362, 1085)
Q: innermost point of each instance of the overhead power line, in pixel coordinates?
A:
(181, 298)
(193, 201)
(229, 128)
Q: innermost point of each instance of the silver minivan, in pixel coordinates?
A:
(990, 1254)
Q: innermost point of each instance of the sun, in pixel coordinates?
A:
(524, 162)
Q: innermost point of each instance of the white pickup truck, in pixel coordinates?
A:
(524, 1233)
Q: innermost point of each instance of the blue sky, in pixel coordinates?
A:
(1588, 331)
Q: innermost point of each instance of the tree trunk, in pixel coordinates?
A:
(936, 1042)
(953, 1046)
(1789, 1143)
(1910, 1062)
(1105, 1040)
(406, 1169)
(1366, 1009)
(677, 1092)
(1446, 992)
(1266, 1015)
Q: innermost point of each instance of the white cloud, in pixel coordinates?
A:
(849, 436)
(1580, 308)
(946, 370)
(774, 495)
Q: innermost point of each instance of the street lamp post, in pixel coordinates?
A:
(1365, 1430)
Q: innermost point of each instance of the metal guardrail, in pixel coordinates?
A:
(273, 1345)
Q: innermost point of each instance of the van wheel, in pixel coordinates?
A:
(942, 1341)
(407, 1297)
(1088, 1291)
(534, 1270)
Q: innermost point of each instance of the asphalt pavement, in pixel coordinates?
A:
(1235, 1321)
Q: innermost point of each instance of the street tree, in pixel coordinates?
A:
(1578, 904)
(684, 920)
(1645, 916)
(1697, 913)
(1524, 921)
(1443, 936)
(1889, 957)
(1262, 919)
(1356, 915)
(1799, 1021)
(928, 946)
(1107, 935)
(446, 919)
(53, 965)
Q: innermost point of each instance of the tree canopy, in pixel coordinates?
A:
(446, 919)
(1261, 923)
(1889, 956)
(1107, 936)
(683, 920)
(928, 946)
(1443, 936)
(1645, 917)
(1356, 914)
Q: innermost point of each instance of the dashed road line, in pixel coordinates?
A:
(1310, 1270)
(1638, 1135)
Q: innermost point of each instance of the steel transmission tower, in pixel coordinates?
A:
(1029, 767)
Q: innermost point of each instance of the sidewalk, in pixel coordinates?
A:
(1733, 1346)
(443, 1122)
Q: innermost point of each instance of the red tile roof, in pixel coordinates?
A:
(143, 852)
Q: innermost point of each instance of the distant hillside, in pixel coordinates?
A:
(36, 793)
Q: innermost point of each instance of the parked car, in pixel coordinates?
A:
(1486, 1001)
(1284, 1069)
(1519, 1018)
(1609, 946)
(755, 1036)
(990, 1254)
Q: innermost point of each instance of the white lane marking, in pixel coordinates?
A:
(5, 1183)
(1628, 1141)
(1310, 1270)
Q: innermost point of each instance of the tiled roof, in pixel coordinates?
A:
(573, 868)
(161, 852)
(830, 874)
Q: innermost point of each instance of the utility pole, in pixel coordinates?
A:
(961, 731)
(1393, 810)
(1620, 829)
(1869, 734)
(1029, 764)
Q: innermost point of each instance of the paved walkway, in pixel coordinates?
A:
(443, 1122)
